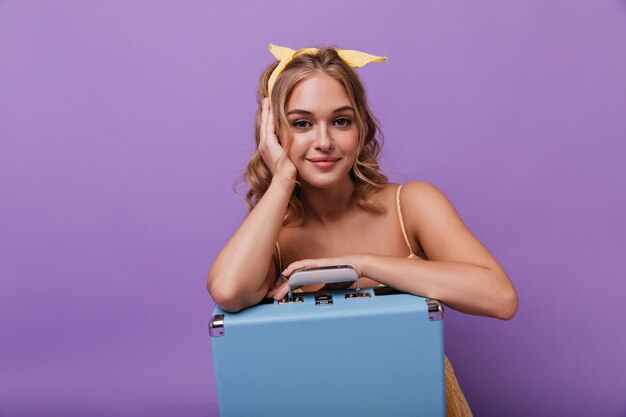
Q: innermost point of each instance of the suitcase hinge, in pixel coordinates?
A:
(216, 326)
(435, 309)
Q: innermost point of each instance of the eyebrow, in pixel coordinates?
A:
(339, 110)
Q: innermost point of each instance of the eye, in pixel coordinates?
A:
(343, 122)
(301, 124)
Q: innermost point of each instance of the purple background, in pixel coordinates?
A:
(123, 126)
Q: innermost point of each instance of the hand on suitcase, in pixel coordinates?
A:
(281, 289)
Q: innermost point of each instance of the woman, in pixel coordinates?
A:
(317, 198)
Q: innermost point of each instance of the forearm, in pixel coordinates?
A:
(465, 287)
(239, 272)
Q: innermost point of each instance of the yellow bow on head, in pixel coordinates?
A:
(284, 55)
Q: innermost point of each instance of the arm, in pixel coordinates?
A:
(460, 271)
(243, 271)
(469, 288)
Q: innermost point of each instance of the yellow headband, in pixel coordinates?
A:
(285, 55)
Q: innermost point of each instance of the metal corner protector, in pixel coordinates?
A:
(435, 309)
(216, 326)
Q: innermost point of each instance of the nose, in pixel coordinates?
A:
(324, 140)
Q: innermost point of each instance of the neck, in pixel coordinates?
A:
(327, 205)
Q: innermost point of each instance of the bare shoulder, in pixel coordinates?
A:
(418, 186)
(384, 191)
(416, 199)
(432, 220)
(423, 200)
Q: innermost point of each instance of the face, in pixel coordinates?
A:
(324, 133)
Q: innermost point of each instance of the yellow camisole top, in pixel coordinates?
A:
(456, 404)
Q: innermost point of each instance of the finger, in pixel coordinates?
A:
(279, 282)
(304, 263)
(269, 126)
(281, 293)
(292, 267)
(272, 291)
(281, 289)
(264, 106)
(270, 114)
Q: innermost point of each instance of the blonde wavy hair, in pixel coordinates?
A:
(365, 172)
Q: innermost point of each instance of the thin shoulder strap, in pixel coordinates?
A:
(406, 239)
(280, 261)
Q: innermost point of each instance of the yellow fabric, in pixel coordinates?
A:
(285, 55)
(456, 404)
(280, 261)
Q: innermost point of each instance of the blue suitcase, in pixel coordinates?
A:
(373, 352)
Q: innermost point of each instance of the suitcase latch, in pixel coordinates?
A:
(291, 300)
(359, 294)
(323, 299)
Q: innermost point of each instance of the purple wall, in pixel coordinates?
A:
(124, 124)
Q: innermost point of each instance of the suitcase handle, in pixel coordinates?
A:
(322, 275)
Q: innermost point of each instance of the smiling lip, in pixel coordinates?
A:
(323, 162)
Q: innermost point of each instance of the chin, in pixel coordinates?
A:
(317, 183)
(323, 181)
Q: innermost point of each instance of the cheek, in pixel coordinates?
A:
(287, 140)
(283, 137)
(351, 145)
(353, 155)
(298, 146)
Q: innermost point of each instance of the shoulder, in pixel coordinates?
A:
(382, 194)
(385, 196)
(412, 196)
(421, 192)
(422, 202)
